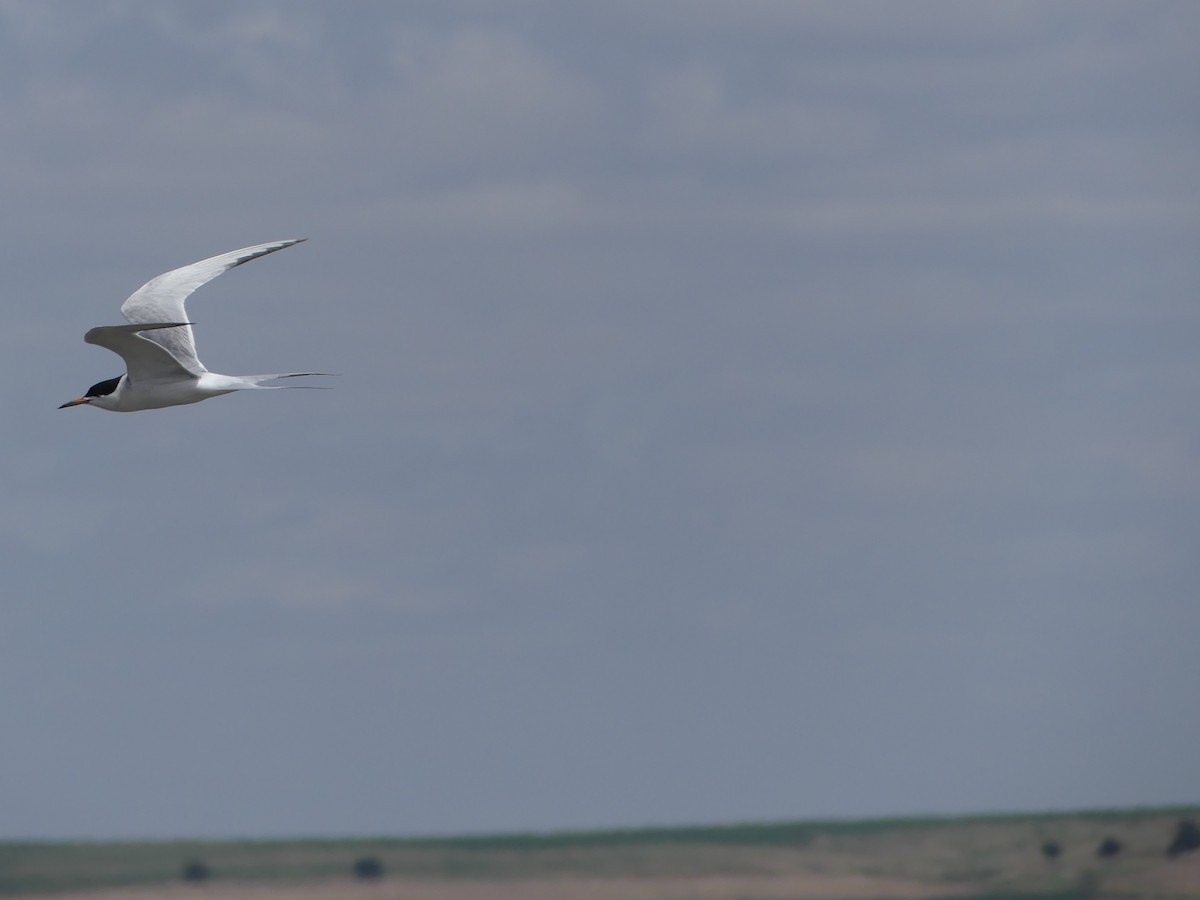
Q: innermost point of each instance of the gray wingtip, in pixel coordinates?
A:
(258, 251)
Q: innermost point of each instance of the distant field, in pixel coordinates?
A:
(987, 856)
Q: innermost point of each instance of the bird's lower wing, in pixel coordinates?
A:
(145, 360)
(161, 299)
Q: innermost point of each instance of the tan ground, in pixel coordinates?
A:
(1174, 878)
(1177, 879)
(946, 859)
(711, 887)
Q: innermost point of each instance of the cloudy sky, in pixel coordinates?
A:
(753, 410)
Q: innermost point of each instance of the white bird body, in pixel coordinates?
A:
(162, 368)
(132, 396)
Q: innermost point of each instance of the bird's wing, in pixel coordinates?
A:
(145, 360)
(161, 300)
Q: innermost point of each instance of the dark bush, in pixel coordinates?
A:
(1051, 850)
(1108, 848)
(1187, 838)
(195, 870)
(368, 867)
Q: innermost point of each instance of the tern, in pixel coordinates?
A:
(161, 366)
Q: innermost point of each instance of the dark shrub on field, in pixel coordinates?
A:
(1108, 848)
(1051, 850)
(368, 867)
(195, 870)
(1187, 838)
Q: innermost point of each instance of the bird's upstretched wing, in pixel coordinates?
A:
(145, 360)
(161, 300)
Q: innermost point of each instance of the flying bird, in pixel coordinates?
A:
(161, 366)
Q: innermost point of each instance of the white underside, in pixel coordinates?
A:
(134, 396)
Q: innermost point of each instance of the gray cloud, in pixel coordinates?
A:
(747, 413)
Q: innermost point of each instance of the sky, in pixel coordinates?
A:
(747, 411)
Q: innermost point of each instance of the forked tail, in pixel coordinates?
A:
(256, 381)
